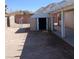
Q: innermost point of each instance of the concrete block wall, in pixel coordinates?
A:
(25, 18)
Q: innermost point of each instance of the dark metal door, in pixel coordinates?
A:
(42, 23)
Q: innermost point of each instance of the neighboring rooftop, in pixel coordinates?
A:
(18, 12)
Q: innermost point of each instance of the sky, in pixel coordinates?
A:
(30, 5)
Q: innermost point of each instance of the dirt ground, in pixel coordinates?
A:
(26, 44)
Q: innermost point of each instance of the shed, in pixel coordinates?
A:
(40, 21)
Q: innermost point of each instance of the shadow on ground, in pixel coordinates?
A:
(44, 45)
(22, 30)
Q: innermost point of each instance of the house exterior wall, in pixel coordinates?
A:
(54, 20)
(68, 16)
(54, 15)
(69, 19)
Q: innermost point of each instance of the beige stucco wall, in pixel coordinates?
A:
(33, 24)
(12, 21)
(69, 19)
(13, 24)
(5, 21)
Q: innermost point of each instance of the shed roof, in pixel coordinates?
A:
(43, 11)
(40, 15)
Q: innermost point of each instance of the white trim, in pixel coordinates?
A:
(62, 25)
(51, 23)
(46, 23)
(37, 19)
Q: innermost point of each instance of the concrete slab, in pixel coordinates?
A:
(36, 45)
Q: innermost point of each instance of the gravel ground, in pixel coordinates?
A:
(26, 44)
